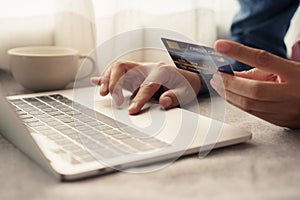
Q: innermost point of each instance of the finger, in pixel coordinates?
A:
(181, 95)
(250, 105)
(256, 58)
(116, 83)
(273, 112)
(95, 80)
(168, 100)
(259, 90)
(99, 81)
(117, 72)
(104, 82)
(103, 87)
(143, 95)
(117, 78)
(134, 77)
(257, 74)
(117, 95)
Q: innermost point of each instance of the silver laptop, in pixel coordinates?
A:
(75, 134)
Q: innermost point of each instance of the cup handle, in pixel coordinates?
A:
(92, 69)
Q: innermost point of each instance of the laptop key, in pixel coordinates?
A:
(41, 128)
(71, 125)
(155, 142)
(30, 119)
(35, 124)
(63, 142)
(135, 144)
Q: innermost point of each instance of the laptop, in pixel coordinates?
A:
(74, 134)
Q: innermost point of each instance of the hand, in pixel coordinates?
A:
(144, 80)
(270, 91)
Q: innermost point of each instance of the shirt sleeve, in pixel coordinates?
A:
(263, 24)
(206, 87)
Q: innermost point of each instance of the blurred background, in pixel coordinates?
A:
(86, 24)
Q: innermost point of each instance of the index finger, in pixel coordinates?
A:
(144, 94)
(256, 58)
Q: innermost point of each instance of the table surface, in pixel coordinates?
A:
(266, 167)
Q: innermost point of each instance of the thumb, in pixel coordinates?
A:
(168, 100)
(173, 98)
(180, 95)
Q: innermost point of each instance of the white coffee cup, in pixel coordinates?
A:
(43, 68)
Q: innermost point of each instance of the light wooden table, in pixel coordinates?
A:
(267, 167)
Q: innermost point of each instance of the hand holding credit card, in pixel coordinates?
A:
(196, 58)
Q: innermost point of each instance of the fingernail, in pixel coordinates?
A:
(223, 47)
(102, 87)
(132, 107)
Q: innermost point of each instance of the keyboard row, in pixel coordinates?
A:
(79, 131)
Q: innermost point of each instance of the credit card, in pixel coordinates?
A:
(196, 58)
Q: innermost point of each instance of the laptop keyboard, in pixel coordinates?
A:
(75, 130)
